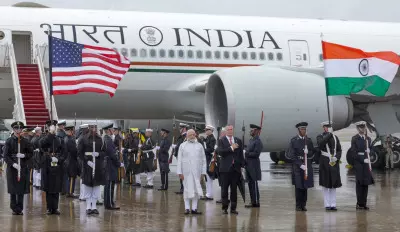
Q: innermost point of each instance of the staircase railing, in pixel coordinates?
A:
(4, 56)
(45, 86)
(19, 111)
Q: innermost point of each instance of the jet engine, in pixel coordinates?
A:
(285, 96)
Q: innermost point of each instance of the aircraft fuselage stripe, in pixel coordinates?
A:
(174, 64)
(171, 70)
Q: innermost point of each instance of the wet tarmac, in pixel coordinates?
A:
(151, 210)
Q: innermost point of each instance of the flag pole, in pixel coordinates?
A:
(50, 75)
(326, 87)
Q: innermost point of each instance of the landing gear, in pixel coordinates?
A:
(279, 157)
(274, 157)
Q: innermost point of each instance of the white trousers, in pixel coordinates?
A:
(92, 194)
(329, 197)
(81, 191)
(36, 178)
(209, 187)
(150, 177)
(195, 200)
(137, 179)
(101, 193)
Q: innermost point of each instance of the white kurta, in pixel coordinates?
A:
(192, 164)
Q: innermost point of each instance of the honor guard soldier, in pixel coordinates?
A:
(61, 129)
(301, 151)
(17, 152)
(253, 167)
(37, 156)
(117, 141)
(89, 151)
(163, 159)
(148, 157)
(132, 147)
(71, 163)
(329, 172)
(112, 164)
(209, 147)
(52, 169)
(82, 132)
(182, 137)
(360, 148)
(232, 161)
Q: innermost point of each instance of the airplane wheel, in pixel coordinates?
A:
(377, 157)
(274, 157)
(283, 157)
(349, 158)
(396, 159)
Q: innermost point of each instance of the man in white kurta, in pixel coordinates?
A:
(191, 167)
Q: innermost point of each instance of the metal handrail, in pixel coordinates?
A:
(19, 111)
(43, 82)
(4, 50)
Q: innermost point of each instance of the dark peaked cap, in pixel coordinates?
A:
(108, 127)
(301, 124)
(165, 130)
(253, 126)
(51, 122)
(69, 128)
(17, 124)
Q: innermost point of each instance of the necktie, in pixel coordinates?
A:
(230, 141)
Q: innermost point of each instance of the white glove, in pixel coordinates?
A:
(333, 159)
(95, 154)
(52, 129)
(158, 148)
(129, 150)
(54, 159)
(173, 145)
(90, 163)
(19, 155)
(16, 166)
(37, 150)
(367, 150)
(303, 167)
(140, 145)
(366, 161)
(306, 150)
(122, 165)
(244, 151)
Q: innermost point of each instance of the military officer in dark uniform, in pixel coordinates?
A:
(61, 129)
(147, 159)
(301, 151)
(82, 133)
(36, 159)
(117, 141)
(163, 159)
(329, 172)
(253, 167)
(71, 164)
(112, 164)
(17, 187)
(52, 170)
(131, 146)
(182, 137)
(360, 148)
(209, 145)
(89, 151)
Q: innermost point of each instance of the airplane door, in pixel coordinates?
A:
(299, 55)
(22, 47)
(5, 39)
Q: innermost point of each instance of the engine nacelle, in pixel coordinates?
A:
(286, 97)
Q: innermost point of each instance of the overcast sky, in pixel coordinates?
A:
(372, 10)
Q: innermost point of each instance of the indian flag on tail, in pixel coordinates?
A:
(351, 70)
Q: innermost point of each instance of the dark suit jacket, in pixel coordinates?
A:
(227, 155)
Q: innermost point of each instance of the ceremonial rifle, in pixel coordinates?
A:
(94, 150)
(214, 159)
(19, 159)
(244, 131)
(367, 148)
(121, 172)
(173, 140)
(157, 144)
(139, 153)
(305, 157)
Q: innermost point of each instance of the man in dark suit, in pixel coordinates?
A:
(232, 160)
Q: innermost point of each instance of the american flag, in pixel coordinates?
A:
(83, 68)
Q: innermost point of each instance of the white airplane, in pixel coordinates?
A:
(210, 69)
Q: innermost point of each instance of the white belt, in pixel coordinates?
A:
(325, 154)
(361, 153)
(88, 153)
(147, 151)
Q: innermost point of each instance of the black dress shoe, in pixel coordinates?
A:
(89, 211)
(15, 213)
(161, 189)
(20, 213)
(234, 212)
(224, 211)
(249, 206)
(218, 202)
(196, 212)
(179, 192)
(95, 211)
(327, 208)
(333, 208)
(187, 211)
(359, 206)
(299, 209)
(115, 207)
(304, 208)
(56, 212)
(99, 203)
(366, 207)
(49, 212)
